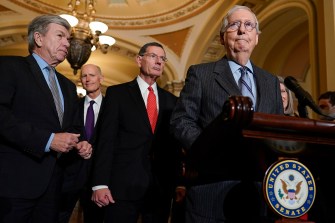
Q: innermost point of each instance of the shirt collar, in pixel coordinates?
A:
(144, 85)
(235, 66)
(97, 100)
(41, 63)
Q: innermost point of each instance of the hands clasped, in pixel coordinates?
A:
(84, 149)
(64, 142)
(102, 197)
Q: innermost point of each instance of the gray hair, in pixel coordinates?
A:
(231, 11)
(40, 24)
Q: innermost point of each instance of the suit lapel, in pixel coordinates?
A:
(263, 87)
(38, 75)
(225, 77)
(101, 108)
(162, 104)
(226, 80)
(137, 99)
(81, 114)
(81, 110)
(66, 96)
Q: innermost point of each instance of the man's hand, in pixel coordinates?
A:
(64, 142)
(180, 193)
(84, 149)
(102, 197)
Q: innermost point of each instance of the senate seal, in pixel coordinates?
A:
(289, 188)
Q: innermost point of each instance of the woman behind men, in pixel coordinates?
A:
(287, 98)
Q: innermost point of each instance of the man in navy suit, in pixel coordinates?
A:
(134, 167)
(76, 185)
(35, 133)
(207, 87)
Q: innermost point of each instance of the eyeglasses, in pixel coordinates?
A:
(249, 26)
(155, 57)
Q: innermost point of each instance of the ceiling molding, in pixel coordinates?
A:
(158, 18)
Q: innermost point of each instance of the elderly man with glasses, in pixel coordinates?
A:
(134, 170)
(228, 191)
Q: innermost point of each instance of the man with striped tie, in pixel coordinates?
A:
(219, 197)
(37, 107)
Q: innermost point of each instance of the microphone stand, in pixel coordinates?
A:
(302, 110)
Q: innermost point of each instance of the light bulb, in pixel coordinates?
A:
(71, 19)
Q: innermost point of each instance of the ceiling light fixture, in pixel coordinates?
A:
(86, 33)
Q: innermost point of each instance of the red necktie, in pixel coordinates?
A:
(152, 108)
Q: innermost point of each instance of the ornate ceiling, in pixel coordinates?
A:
(188, 29)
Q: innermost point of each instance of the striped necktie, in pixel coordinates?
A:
(245, 85)
(55, 93)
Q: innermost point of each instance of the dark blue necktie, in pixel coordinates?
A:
(89, 123)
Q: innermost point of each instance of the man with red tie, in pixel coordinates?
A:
(134, 167)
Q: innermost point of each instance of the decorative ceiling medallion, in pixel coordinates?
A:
(188, 10)
(158, 18)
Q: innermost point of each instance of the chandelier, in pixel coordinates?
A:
(86, 33)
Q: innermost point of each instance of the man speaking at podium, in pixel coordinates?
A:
(206, 89)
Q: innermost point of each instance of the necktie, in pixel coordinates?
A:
(152, 108)
(55, 94)
(245, 85)
(89, 123)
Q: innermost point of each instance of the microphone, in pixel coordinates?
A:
(304, 98)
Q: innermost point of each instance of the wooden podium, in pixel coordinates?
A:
(241, 145)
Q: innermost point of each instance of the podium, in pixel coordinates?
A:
(242, 145)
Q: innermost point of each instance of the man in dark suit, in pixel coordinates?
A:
(76, 184)
(134, 167)
(207, 88)
(36, 116)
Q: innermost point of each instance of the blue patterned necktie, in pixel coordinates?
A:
(245, 85)
(89, 123)
(55, 93)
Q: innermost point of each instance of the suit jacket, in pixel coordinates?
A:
(207, 87)
(28, 116)
(129, 157)
(77, 169)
